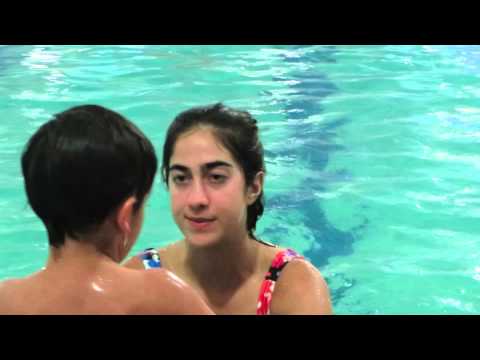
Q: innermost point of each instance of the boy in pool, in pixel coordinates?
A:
(88, 173)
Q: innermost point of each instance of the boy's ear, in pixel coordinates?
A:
(124, 215)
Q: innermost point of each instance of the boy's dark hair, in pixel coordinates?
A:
(237, 131)
(81, 165)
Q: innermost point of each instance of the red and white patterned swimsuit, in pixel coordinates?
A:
(268, 284)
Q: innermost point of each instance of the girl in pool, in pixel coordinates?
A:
(214, 169)
(88, 173)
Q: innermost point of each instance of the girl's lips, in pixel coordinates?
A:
(199, 218)
(199, 223)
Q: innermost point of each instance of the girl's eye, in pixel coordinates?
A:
(217, 178)
(179, 179)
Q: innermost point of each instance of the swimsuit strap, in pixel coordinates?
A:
(268, 285)
(150, 258)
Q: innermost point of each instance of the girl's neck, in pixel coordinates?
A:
(225, 265)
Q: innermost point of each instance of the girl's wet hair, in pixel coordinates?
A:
(81, 165)
(237, 131)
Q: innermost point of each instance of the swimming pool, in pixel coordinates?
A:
(372, 154)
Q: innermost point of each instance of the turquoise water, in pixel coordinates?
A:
(372, 154)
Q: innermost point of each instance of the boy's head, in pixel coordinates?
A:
(81, 165)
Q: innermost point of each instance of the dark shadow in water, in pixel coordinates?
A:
(324, 55)
(341, 284)
(10, 55)
(309, 89)
(313, 143)
(3, 59)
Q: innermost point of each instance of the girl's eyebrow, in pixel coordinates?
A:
(214, 164)
(207, 166)
(178, 168)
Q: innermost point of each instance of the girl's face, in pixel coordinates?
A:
(209, 197)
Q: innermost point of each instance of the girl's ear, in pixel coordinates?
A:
(255, 189)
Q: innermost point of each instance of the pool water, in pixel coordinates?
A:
(372, 154)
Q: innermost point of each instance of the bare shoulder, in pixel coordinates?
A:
(301, 289)
(9, 292)
(168, 294)
(134, 262)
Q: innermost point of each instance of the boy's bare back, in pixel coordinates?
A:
(116, 292)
